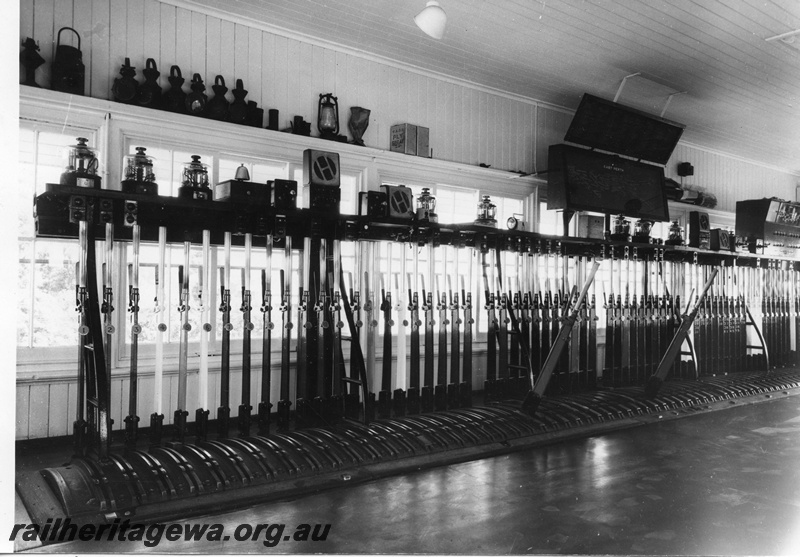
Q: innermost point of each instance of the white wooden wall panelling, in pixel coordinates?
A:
(117, 44)
(329, 71)
(490, 118)
(497, 121)
(479, 127)
(431, 106)
(439, 121)
(22, 411)
(412, 104)
(253, 76)
(460, 123)
(279, 76)
(343, 90)
(213, 394)
(486, 133)
(62, 17)
(196, 41)
(120, 389)
(38, 409)
(472, 151)
(213, 50)
(26, 10)
(45, 33)
(183, 45)
(167, 45)
(506, 157)
(151, 47)
(72, 406)
(265, 83)
(730, 179)
(241, 53)
(292, 82)
(511, 137)
(312, 81)
(192, 390)
(135, 48)
(370, 95)
(144, 399)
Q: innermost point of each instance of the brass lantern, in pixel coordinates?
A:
(675, 234)
(622, 229)
(641, 232)
(426, 206)
(194, 181)
(487, 213)
(137, 173)
(328, 116)
(82, 166)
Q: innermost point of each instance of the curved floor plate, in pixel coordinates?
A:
(180, 480)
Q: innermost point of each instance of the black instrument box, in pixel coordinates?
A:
(720, 240)
(324, 198)
(142, 188)
(699, 230)
(372, 203)
(283, 194)
(241, 191)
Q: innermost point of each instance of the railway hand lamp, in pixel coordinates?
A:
(328, 116)
(487, 213)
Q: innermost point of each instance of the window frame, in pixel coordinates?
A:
(44, 356)
(116, 127)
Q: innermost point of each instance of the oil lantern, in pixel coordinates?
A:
(328, 116)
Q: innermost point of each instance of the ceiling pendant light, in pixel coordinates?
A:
(432, 20)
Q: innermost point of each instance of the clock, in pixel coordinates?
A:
(514, 223)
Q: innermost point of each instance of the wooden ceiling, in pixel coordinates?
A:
(738, 93)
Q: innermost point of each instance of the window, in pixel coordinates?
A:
(47, 267)
(506, 208)
(46, 318)
(550, 221)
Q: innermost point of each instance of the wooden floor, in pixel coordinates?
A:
(725, 482)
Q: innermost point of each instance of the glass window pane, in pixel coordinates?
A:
(46, 315)
(507, 207)
(265, 171)
(348, 204)
(54, 317)
(549, 221)
(456, 205)
(24, 293)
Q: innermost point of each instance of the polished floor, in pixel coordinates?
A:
(719, 483)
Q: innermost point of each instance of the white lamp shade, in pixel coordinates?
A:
(432, 20)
